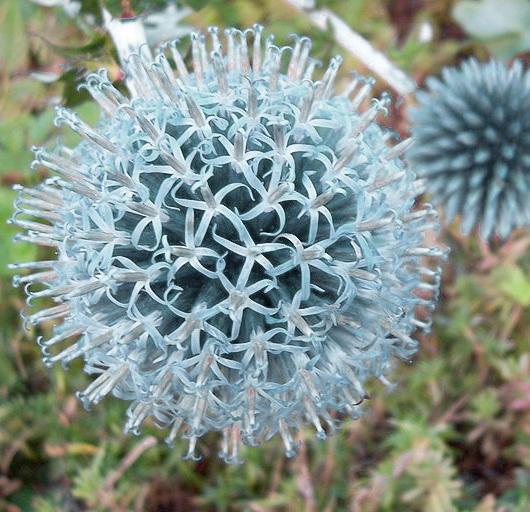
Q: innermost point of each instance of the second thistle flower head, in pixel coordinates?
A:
(472, 144)
(237, 248)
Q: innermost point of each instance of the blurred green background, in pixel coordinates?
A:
(453, 436)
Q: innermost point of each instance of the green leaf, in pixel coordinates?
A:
(44, 505)
(14, 42)
(89, 480)
(512, 282)
(503, 30)
(92, 49)
(17, 135)
(91, 8)
(486, 405)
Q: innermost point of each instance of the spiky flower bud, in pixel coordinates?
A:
(237, 248)
(472, 145)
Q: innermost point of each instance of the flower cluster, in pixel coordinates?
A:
(238, 247)
(472, 145)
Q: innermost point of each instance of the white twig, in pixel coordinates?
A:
(127, 34)
(358, 46)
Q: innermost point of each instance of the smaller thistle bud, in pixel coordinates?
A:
(472, 145)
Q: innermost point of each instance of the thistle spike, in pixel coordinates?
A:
(236, 246)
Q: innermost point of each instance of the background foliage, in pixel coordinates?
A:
(453, 436)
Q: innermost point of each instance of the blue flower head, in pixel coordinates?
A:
(472, 145)
(237, 246)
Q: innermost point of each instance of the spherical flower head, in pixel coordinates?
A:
(471, 133)
(238, 249)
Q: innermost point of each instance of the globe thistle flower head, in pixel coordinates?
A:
(237, 246)
(472, 145)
